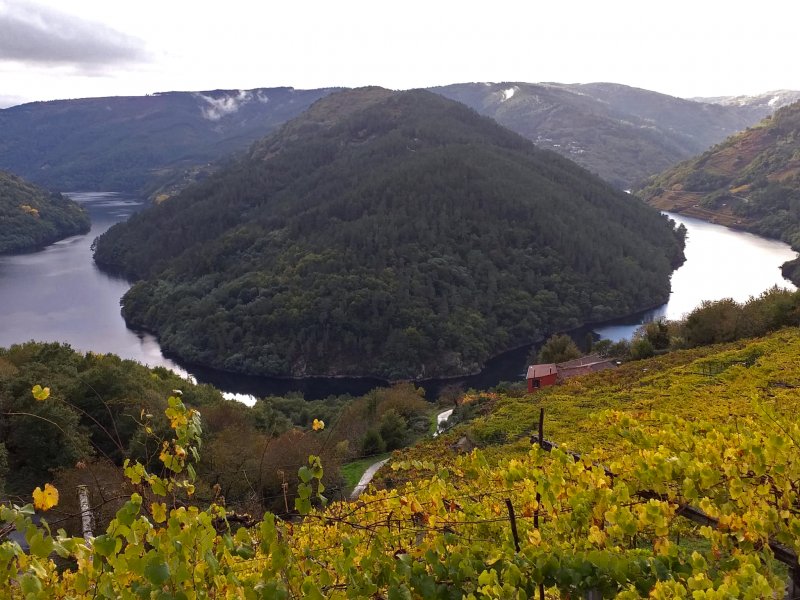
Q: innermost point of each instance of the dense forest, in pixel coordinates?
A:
(750, 181)
(31, 217)
(389, 234)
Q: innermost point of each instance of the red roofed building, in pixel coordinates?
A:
(540, 376)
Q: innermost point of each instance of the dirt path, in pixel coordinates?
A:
(440, 419)
(366, 478)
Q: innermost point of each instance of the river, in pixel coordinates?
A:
(720, 263)
(58, 294)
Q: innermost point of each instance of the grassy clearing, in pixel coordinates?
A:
(352, 472)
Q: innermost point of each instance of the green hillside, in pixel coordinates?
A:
(99, 410)
(622, 133)
(31, 217)
(390, 234)
(750, 181)
(127, 143)
(686, 488)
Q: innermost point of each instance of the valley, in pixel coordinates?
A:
(363, 275)
(58, 295)
(750, 181)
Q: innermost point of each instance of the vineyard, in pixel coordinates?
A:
(675, 477)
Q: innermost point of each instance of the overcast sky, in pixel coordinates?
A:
(55, 49)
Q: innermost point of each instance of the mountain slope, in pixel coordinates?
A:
(391, 234)
(750, 181)
(158, 143)
(124, 143)
(623, 134)
(761, 104)
(31, 217)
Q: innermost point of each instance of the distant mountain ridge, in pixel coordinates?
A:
(159, 143)
(126, 143)
(765, 103)
(750, 181)
(623, 134)
(391, 234)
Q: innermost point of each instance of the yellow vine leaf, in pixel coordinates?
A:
(45, 499)
(318, 425)
(159, 510)
(40, 393)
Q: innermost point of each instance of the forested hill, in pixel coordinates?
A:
(750, 181)
(31, 217)
(622, 133)
(397, 234)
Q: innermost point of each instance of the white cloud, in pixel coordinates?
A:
(219, 106)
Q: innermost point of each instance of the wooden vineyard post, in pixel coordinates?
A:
(86, 514)
(538, 495)
(513, 519)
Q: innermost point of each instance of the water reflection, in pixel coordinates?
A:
(59, 295)
(720, 263)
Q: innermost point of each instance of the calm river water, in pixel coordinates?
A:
(58, 294)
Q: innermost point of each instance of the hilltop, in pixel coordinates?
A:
(750, 181)
(623, 134)
(396, 234)
(31, 217)
(159, 143)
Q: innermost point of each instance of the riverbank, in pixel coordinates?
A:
(58, 295)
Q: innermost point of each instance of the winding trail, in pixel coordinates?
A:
(366, 478)
(373, 468)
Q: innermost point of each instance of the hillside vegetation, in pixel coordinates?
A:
(125, 144)
(161, 142)
(100, 410)
(750, 181)
(687, 488)
(31, 217)
(623, 134)
(396, 234)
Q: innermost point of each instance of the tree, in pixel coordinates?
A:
(642, 348)
(559, 348)
(393, 429)
(713, 322)
(372, 443)
(657, 333)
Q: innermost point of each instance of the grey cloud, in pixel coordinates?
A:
(39, 35)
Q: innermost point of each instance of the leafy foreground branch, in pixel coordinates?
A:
(471, 530)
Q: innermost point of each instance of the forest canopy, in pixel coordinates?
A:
(396, 234)
(31, 217)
